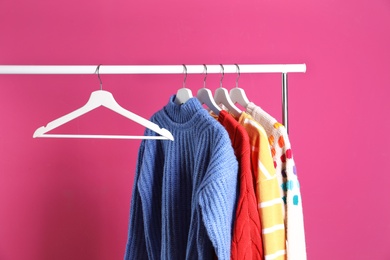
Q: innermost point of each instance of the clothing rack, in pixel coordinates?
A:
(284, 69)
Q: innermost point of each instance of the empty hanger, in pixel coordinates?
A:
(205, 96)
(222, 97)
(102, 98)
(237, 94)
(184, 93)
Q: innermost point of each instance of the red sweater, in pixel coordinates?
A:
(246, 239)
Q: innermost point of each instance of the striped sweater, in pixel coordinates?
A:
(288, 181)
(270, 204)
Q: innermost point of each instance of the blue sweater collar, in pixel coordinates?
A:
(183, 113)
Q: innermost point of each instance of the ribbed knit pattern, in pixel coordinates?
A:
(288, 181)
(270, 204)
(184, 193)
(246, 241)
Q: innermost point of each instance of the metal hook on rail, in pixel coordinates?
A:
(98, 72)
(204, 72)
(223, 74)
(185, 76)
(238, 74)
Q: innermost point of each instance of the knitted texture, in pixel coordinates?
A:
(288, 180)
(270, 204)
(246, 240)
(184, 193)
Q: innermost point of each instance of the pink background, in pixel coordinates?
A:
(69, 199)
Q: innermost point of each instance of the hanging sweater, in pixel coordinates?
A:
(184, 193)
(288, 180)
(270, 204)
(246, 240)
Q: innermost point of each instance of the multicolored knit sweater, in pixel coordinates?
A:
(288, 181)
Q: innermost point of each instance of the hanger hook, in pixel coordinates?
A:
(185, 75)
(205, 76)
(98, 72)
(238, 74)
(223, 74)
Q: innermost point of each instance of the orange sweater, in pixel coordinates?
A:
(270, 203)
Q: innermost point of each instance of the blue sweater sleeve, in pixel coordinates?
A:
(136, 244)
(218, 199)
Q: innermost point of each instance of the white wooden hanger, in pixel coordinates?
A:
(102, 98)
(237, 94)
(205, 96)
(222, 97)
(184, 93)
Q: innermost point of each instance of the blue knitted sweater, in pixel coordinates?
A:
(184, 192)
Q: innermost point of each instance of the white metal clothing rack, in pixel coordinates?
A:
(283, 69)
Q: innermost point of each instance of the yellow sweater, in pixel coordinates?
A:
(270, 203)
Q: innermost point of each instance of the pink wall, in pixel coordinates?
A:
(69, 199)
